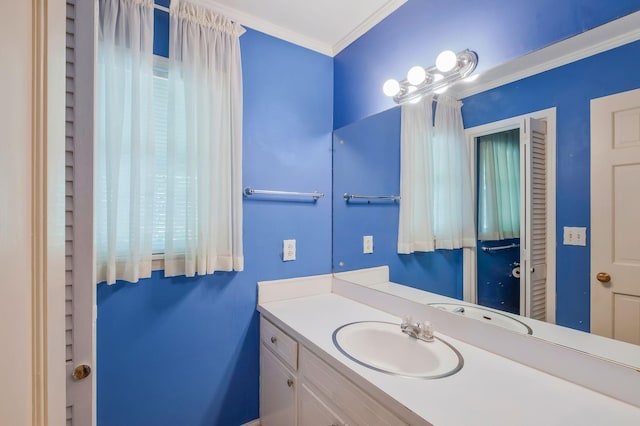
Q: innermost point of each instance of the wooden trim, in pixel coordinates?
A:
(37, 139)
(301, 39)
(600, 39)
(373, 20)
(47, 212)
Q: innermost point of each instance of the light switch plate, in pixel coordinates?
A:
(580, 236)
(367, 244)
(288, 250)
(574, 236)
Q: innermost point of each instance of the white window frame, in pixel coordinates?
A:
(160, 68)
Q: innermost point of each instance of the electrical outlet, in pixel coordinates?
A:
(367, 244)
(288, 250)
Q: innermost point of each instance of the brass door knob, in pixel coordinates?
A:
(603, 277)
(82, 371)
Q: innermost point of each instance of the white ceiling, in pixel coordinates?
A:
(326, 26)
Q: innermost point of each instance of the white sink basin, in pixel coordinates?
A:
(485, 315)
(382, 346)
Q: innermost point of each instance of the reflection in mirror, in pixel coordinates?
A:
(498, 204)
(366, 160)
(516, 215)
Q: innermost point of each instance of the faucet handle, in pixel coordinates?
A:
(407, 320)
(426, 331)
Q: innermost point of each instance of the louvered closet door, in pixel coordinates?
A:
(80, 283)
(533, 231)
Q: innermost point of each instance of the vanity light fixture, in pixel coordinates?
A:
(449, 68)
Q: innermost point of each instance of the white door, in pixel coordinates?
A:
(31, 214)
(80, 285)
(615, 216)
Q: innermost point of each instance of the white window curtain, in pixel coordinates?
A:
(204, 182)
(499, 186)
(124, 143)
(415, 232)
(436, 211)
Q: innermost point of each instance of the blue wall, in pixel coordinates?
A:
(366, 160)
(184, 351)
(497, 287)
(570, 89)
(498, 30)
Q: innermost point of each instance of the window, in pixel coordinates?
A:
(169, 144)
(499, 185)
(160, 113)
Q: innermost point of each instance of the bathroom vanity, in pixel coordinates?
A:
(302, 389)
(306, 379)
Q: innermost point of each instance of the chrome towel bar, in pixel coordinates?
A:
(250, 191)
(348, 197)
(490, 249)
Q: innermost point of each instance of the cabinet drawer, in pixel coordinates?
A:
(280, 343)
(357, 406)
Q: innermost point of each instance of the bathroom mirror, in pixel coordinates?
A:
(367, 163)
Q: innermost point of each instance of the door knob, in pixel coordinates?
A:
(603, 277)
(82, 371)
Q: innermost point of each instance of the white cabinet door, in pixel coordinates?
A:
(314, 412)
(277, 391)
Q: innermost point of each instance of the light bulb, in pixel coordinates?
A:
(391, 87)
(416, 75)
(446, 61)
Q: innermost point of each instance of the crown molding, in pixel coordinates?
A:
(600, 39)
(373, 19)
(270, 28)
(300, 39)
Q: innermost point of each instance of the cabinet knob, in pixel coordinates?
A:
(274, 339)
(289, 382)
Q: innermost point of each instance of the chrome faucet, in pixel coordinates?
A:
(417, 330)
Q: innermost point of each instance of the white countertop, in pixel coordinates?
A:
(617, 351)
(489, 390)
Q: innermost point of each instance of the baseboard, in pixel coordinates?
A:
(255, 422)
